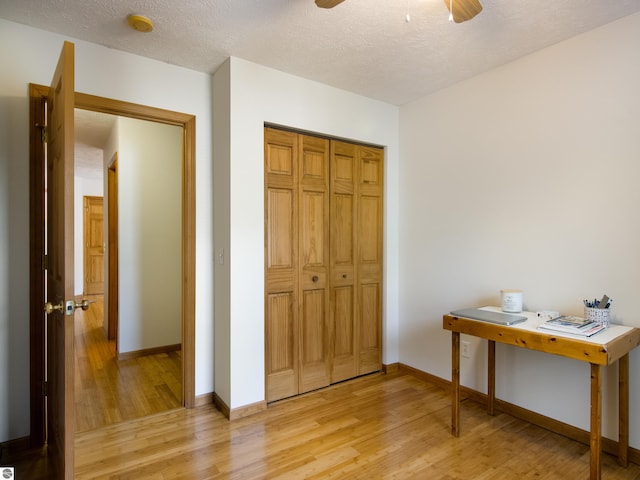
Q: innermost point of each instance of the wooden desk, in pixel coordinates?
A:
(610, 346)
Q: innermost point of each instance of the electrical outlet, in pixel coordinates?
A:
(465, 351)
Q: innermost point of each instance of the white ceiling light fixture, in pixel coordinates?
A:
(140, 23)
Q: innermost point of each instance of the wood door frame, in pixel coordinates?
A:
(112, 240)
(37, 102)
(86, 229)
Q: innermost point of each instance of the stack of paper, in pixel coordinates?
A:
(572, 325)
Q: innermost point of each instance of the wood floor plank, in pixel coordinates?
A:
(108, 390)
(392, 426)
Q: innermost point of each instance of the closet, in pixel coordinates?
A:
(323, 261)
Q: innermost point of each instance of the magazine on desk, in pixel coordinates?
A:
(573, 325)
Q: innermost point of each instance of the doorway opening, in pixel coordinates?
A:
(135, 370)
(92, 245)
(38, 98)
(112, 240)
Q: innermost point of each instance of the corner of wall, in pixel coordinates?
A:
(221, 227)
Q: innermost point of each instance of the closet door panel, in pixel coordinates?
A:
(280, 229)
(344, 307)
(314, 263)
(343, 230)
(343, 167)
(314, 368)
(370, 321)
(281, 265)
(281, 354)
(370, 261)
(315, 162)
(344, 355)
(371, 169)
(314, 365)
(370, 241)
(313, 230)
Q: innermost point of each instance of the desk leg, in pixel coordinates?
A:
(596, 424)
(491, 377)
(623, 410)
(455, 383)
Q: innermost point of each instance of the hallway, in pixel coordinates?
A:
(108, 390)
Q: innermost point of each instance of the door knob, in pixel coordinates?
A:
(69, 307)
(49, 307)
(83, 304)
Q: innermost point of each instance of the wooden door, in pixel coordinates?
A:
(93, 238)
(323, 262)
(60, 289)
(281, 270)
(369, 258)
(112, 234)
(343, 260)
(313, 261)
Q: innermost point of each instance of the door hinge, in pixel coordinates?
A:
(45, 262)
(45, 389)
(43, 132)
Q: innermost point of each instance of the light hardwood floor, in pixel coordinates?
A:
(108, 390)
(393, 426)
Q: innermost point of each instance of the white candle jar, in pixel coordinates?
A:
(511, 300)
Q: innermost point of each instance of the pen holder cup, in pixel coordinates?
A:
(598, 315)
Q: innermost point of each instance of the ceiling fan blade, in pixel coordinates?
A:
(463, 10)
(328, 3)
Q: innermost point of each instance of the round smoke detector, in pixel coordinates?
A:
(140, 23)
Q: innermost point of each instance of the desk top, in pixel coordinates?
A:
(603, 348)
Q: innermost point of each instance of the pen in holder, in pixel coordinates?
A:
(598, 315)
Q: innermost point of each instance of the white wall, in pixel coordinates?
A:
(526, 177)
(13, 336)
(222, 270)
(254, 95)
(83, 186)
(149, 234)
(108, 73)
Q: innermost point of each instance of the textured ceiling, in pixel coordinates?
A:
(91, 130)
(363, 46)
